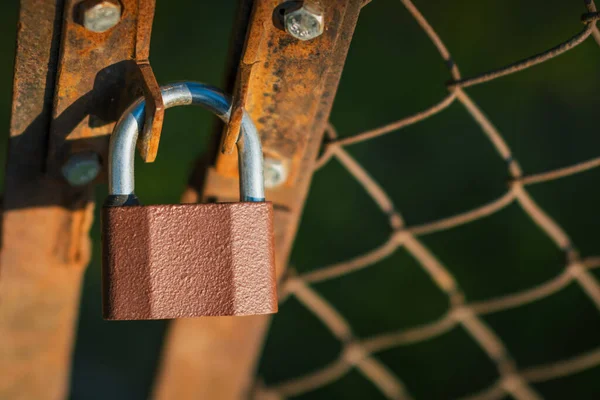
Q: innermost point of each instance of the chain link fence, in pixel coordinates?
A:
(360, 353)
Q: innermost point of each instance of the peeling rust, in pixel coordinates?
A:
(95, 80)
(289, 94)
(67, 94)
(45, 225)
(232, 131)
(285, 87)
(155, 113)
(254, 37)
(155, 108)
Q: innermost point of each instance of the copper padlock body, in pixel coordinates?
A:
(186, 260)
(157, 258)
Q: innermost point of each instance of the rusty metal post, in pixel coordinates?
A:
(44, 236)
(65, 82)
(288, 87)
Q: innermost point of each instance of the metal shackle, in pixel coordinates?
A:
(121, 181)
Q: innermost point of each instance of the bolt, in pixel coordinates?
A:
(275, 173)
(101, 15)
(81, 168)
(306, 22)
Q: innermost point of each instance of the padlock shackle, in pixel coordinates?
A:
(121, 180)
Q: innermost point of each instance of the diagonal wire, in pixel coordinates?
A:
(360, 354)
(389, 340)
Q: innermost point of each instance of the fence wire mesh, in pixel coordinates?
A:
(359, 353)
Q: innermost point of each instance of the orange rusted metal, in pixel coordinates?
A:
(289, 92)
(155, 108)
(155, 113)
(241, 79)
(45, 246)
(65, 96)
(96, 78)
(282, 65)
(232, 131)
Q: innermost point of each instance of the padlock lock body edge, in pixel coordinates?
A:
(188, 260)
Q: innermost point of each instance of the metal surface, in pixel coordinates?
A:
(45, 224)
(362, 355)
(155, 108)
(232, 131)
(290, 91)
(306, 22)
(100, 15)
(81, 168)
(155, 113)
(123, 140)
(96, 79)
(45, 221)
(188, 260)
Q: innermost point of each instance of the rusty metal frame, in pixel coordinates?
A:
(98, 75)
(62, 105)
(65, 82)
(288, 87)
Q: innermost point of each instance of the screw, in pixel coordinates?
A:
(81, 168)
(306, 22)
(101, 15)
(275, 173)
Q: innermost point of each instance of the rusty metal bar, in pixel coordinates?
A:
(289, 93)
(96, 79)
(155, 112)
(67, 81)
(44, 235)
(155, 108)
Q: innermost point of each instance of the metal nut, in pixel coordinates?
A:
(101, 15)
(305, 23)
(81, 168)
(275, 173)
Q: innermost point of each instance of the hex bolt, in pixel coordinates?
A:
(100, 15)
(305, 22)
(275, 173)
(81, 168)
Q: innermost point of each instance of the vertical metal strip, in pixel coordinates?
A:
(60, 104)
(289, 95)
(44, 232)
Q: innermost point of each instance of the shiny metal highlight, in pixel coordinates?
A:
(121, 179)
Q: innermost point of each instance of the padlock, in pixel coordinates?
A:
(186, 260)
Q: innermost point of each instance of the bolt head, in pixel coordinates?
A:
(81, 168)
(100, 16)
(275, 173)
(304, 23)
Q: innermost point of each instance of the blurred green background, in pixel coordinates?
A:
(439, 167)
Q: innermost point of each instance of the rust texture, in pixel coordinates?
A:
(96, 80)
(291, 87)
(66, 81)
(232, 131)
(44, 231)
(409, 238)
(155, 108)
(239, 78)
(155, 113)
(161, 262)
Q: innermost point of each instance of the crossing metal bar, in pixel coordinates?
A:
(288, 89)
